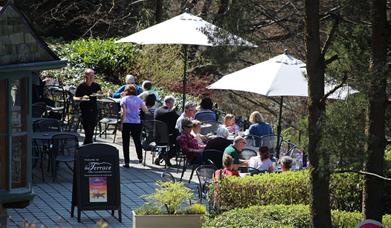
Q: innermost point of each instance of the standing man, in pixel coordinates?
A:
(168, 115)
(234, 150)
(88, 105)
(190, 110)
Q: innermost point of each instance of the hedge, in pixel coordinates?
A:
(287, 188)
(282, 216)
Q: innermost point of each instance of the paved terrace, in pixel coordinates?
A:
(52, 203)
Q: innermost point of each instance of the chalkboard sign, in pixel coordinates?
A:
(96, 179)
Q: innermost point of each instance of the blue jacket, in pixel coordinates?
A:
(117, 93)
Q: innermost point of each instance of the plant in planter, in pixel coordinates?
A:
(168, 207)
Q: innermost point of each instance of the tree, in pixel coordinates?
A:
(319, 171)
(377, 103)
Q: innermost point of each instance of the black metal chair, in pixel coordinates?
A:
(64, 147)
(59, 97)
(270, 141)
(167, 177)
(205, 177)
(216, 156)
(109, 116)
(186, 163)
(155, 138)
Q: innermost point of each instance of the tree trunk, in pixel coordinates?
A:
(159, 11)
(377, 98)
(319, 171)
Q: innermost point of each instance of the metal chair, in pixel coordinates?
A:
(270, 141)
(216, 156)
(59, 96)
(205, 177)
(182, 156)
(155, 138)
(64, 147)
(167, 177)
(109, 116)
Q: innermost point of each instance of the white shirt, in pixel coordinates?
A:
(257, 163)
(179, 122)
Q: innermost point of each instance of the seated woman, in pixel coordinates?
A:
(195, 131)
(258, 126)
(229, 123)
(228, 169)
(285, 163)
(129, 80)
(220, 142)
(189, 144)
(148, 90)
(262, 162)
(205, 114)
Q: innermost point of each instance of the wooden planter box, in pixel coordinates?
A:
(161, 221)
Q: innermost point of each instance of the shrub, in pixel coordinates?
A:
(282, 215)
(168, 198)
(287, 188)
(110, 59)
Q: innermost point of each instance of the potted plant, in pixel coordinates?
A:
(168, 207)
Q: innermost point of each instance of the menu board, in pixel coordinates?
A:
(96, 179)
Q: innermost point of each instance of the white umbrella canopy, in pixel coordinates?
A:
(186, 29)
(280, 76)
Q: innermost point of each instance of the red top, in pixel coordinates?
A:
(225, 172)
(186, 142)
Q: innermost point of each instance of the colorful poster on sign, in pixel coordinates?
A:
(98, 189)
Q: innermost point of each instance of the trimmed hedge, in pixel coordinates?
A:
(287, 188)
(282, 215)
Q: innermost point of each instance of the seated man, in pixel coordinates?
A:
(205, 114)
(234, 150)
(189, 144)
(228, 169)
(168, 115)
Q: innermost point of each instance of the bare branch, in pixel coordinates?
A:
(330, 60)
(345, 77)
(364, 173)
(331, 36)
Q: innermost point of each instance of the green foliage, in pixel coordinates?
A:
(285, 188)
(344, 132)
(196, 208)
(283, 216)
(168, 199)
(112, 60)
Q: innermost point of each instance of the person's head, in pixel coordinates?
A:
(222, 132)
(239, 143)
(206, 103)
(369, 223)
(187, 125)
(150, 100)
(130, 90)
(256, 117)
(196, 126)
(190, 109)
(169, 101)
(228, 161)
(129, 79)
(147, 85)
(229, 120)
(89, 76)
(286, 163)
(263, 152)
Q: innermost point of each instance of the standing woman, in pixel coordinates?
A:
(131, 123)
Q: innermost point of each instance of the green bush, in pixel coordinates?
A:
(282, 216)
(112, 60)
(286, 188)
